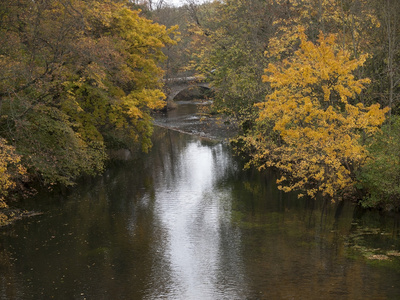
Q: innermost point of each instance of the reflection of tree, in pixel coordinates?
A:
(375, 236)
(9, 288)
(102, 237)
(296, 248)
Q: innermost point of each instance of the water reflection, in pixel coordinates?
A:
(193, 206)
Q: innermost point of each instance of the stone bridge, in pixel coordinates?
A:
(179, 84)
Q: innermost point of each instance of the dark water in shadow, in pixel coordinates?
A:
(186, 222)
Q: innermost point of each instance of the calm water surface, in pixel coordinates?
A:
(186, 222)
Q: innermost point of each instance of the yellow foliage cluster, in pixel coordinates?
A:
(10, 168)
(319, 126)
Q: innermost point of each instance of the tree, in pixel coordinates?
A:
(385, 67)
(77, 78)
(318, 126)
(352, 21)
(230, 43)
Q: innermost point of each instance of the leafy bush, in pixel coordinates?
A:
(380, 176)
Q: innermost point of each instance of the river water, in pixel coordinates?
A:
(186, 222)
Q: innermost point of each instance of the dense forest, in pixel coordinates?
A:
(314, 85)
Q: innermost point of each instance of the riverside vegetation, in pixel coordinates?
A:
(314, 85)
(76, 78)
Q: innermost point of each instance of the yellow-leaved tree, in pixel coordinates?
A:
(310, 127)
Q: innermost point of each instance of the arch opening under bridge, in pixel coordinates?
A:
(177, 85)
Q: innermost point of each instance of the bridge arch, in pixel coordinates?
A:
(176, 85)
(178, 88)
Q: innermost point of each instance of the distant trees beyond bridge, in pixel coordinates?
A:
(176, 85)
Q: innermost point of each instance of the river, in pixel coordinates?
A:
(187, 222)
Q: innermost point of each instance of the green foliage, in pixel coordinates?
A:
(52, 147)
(231, 45)
(380, 176)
